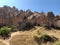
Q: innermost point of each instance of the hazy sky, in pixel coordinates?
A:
(34, 5)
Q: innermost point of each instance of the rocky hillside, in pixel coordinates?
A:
(22, 19)
(19, 27)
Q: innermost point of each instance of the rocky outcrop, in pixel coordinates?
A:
(42, 19)
(50, 18)
(28, 13)
(11, 15)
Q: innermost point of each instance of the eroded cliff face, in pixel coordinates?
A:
(11, 15)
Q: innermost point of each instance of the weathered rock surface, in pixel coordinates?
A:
(11, 15)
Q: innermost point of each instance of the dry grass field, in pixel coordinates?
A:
(2, 43)
(27, 37)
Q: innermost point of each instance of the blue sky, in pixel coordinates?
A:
(34, 5)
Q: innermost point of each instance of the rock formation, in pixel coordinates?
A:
(11, 15)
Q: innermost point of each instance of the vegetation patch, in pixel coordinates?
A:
(5, 31)
(13, 28)
(44, 39)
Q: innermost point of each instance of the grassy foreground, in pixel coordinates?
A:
(28, 37)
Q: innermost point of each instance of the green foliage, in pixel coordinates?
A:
(12, 27)
(4, 31)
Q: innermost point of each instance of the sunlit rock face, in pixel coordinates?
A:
(7, 14)
(42, 19)
(11, 15)
(28, 13)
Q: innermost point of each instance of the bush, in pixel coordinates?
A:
(45, 38)
(47, 26)
(12, 27)
(4, 31)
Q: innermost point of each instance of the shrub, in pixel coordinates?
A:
(47, 26)
(12, 28)
(4, 31)
(44, 38)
